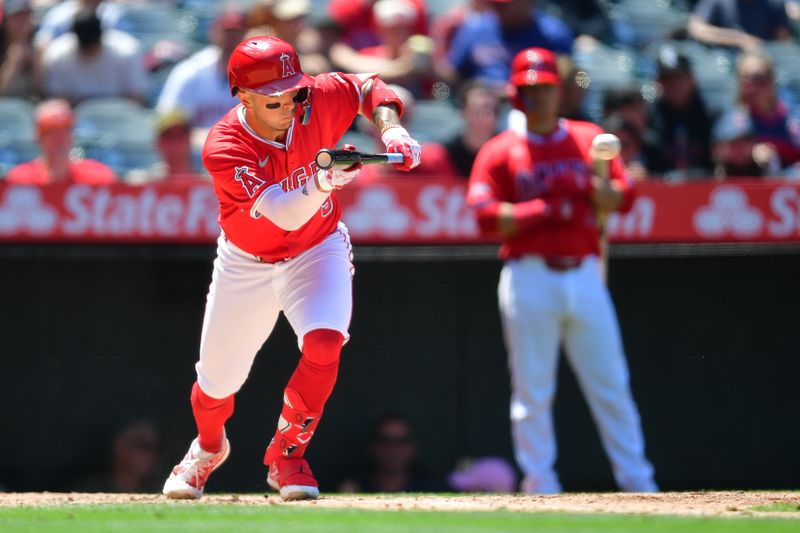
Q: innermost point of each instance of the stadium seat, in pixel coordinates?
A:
(637, 23)
(17, 135)
(607, 68)
(151, 22)
(110, 120)
(118, 132)
(434, 121)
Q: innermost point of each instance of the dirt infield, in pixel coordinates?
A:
(671, 503)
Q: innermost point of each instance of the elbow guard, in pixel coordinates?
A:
(380, 94)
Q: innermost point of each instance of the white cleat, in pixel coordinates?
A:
(188, 478)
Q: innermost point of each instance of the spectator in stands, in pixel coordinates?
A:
(485, 43)
(445, 25)
(198, 86)
(573, 88)
(479, 106)
(625, 109)
(84, 64)
(288, 20)
(484, 474)
(391, 463)
(59, 19)
(679, 120)
(627, 102)
(587, 18)
(174, 144)
(632, 145)
(132, 465)
(356, 18)
(739, 23)
(402, 57)
(54, 121)
(20, 69)
(736, 152)
(771, 118)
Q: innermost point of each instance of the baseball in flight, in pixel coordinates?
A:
(605, 146)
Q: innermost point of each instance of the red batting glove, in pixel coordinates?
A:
(397, 140)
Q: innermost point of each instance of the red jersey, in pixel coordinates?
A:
(516, 166)
(244, 165)
(83, 171)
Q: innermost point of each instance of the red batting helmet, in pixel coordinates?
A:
(534, 66)
(266, 65)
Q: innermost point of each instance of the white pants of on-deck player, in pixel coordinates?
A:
(313, 289)
(541, 308)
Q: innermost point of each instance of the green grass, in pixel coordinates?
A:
(778, 508)
(156, 518)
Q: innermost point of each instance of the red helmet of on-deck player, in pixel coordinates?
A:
(534, 66)
(266, 65)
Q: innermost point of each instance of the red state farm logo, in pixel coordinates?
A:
(728, 213)
(23, 211)
(249, 180)
(376, 210)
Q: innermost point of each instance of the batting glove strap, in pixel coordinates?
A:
(397, 140)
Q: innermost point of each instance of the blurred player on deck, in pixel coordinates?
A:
(282, 248)
(533, 184)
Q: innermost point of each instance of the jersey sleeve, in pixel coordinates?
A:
(489, 180)
(336, 101)
(238, 179)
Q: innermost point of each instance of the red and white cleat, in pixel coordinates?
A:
(188, 478)
(292, 478)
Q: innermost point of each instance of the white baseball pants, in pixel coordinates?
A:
(539, 309)
(314, 291)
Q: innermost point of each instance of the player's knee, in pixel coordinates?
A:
(322, 346)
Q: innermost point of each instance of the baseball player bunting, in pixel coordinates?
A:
(533, 184)
(282, 248)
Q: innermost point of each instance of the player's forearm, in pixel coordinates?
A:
(385, 116)
(291, 210)
(508, 219)
(707, 33)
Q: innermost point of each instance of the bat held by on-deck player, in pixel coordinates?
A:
(327, 159)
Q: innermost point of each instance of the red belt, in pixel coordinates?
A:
(562, 263)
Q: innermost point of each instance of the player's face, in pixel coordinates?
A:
(541, 101)
(270, 116)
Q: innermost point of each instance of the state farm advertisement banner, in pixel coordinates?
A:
(402, 211)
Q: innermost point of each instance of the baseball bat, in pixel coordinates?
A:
(605, 147)
(327, 159)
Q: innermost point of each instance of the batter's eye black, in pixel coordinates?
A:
(275, 105)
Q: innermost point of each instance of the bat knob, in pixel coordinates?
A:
(325, 159)
(605, 146)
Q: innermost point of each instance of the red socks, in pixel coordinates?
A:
(306, 393)
(210, 415)
(315, 375)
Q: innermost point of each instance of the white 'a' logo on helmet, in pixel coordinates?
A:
(288, 69)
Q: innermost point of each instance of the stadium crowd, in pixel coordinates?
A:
(695, 89)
